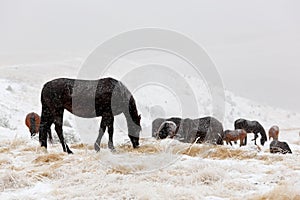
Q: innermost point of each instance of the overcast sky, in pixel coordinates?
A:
(255, 44)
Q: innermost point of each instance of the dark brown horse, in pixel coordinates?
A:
(251, 127)
(32, 121)
(105, 97)
(201, 130)
(166, 129)
(277, 146)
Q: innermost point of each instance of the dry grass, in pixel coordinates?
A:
(125, 170)
(280, 192)
(85, 146)
(4, 162)
(215, 152)
(33, 149)
(119, 170)
(48, 158)
(17, 142)
(4, 150)
(147, 148)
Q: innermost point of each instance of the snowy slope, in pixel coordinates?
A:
(158, 170)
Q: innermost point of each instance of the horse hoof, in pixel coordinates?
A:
(96, 147)
(113, 150)
(70, 152)
(136, 147)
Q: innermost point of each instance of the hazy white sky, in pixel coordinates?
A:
(255, 44)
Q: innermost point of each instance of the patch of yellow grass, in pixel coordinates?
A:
(220, 152)
(215, 152)
(119, 170)
(17, 142)
(125, 170)
(48, 158)
(4, 150)
(85, 146)
(147, 148)
(281, 192)
(29, 149)
(4, 162)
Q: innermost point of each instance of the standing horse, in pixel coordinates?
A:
(274, 132)
(251, 127)
(234, 135)
(32, 121)
(105, 97)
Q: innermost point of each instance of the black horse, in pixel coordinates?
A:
(251, 127)
(105, 97)
(279, 147)
(204, 130)
(159, 121)
(167, 129)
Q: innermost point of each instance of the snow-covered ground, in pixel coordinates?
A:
(157, 170)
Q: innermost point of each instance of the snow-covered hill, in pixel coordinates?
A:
(158, 170)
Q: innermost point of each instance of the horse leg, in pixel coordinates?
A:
(110, 140)
(245, 143)
(110, 133)
(100, 135)
(58, 128)
(230, 143)
(45, 124)
(255, 137)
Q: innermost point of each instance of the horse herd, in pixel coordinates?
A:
(108, 97)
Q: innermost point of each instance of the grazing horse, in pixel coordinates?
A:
(159, 121)
(251, 127)
(206, 129)
(201, 130)
(32, 121)
(277, 146)
(166, 129)
(105, 97)
(234, 135)
(274, 132)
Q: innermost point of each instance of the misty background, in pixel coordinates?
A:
(254, 44)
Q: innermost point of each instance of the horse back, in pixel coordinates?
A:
(86, 98)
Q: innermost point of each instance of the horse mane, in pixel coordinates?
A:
(133, 111)
(262, 133)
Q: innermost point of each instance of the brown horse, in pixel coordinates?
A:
(234, 135)
(33, 121)
(274, 132)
